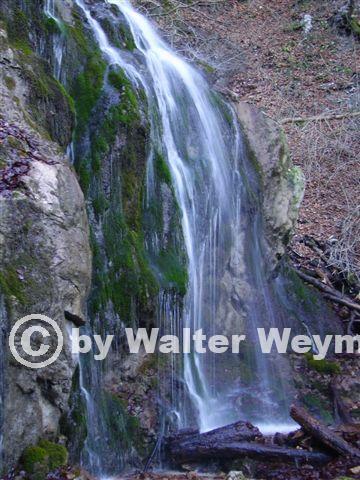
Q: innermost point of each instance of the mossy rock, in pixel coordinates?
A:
(57, 454)
(162, 169)
(320, 407)
(323, 366)
(10, 285)
(34, 458)
(40, 459)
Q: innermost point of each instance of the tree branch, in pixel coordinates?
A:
(316, 118)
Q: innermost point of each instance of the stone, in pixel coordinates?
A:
(236, 475)
(45, 265)
(355, 470)
(282, 183)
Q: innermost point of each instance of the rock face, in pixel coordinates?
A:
(282, 183)
(45, 258)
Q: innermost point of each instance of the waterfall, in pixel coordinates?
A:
(200, 139)
(58, 39)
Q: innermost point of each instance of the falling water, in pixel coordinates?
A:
(201, 141)
(58, 39)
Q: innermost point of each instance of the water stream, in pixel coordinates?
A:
(58, 39)
(201, 141)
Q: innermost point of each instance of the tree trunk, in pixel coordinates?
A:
(322, 433)
(236, 450)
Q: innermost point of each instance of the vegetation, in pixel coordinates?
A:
(323, 366)
(11, 285)
(162, 170)
(57, 454)
(87, 88)
(40, 459)
(33, 457)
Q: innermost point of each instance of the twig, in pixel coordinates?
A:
(342, 301)
(315, 118)
(190, 5)
(331, 293)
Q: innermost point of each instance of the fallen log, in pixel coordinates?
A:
(317, 118)
(330, 292)
(236, 450)
(322, 433)
(235, 432)
(183, 434)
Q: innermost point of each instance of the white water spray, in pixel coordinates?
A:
(201, 145)
(58, 40)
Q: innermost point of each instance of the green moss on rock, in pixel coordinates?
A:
(174, 272)
(87, 88)
(51, 26)
(34, 457)
(319, 407)
(18, 30)
(43, 458)
(323, 366)
(162, 170)
(11, 285)
(10, 83)
(57, 454)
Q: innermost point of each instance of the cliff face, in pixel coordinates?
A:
(45, 265)
(45, 228)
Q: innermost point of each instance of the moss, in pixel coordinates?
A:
(129, 282)
(173, 271)
(323, 366)
(33, 457)
(10, 83)
(42, 458)
(99, 148)
(118, 79)
(86, 90)
(100, 204)
(124, 429)
(76, 32)
(355, 25)
(84, 174)
(18, 29)
(57, 454)
(162, 170)
(51, 26)
(296, 179)
(303, 294)
(128, 109)
(319, 407)
(11, 285)
(127, 37)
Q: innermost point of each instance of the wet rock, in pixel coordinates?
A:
(234, 475)
(282, 183)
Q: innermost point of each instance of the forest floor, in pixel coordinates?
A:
(290, 60)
